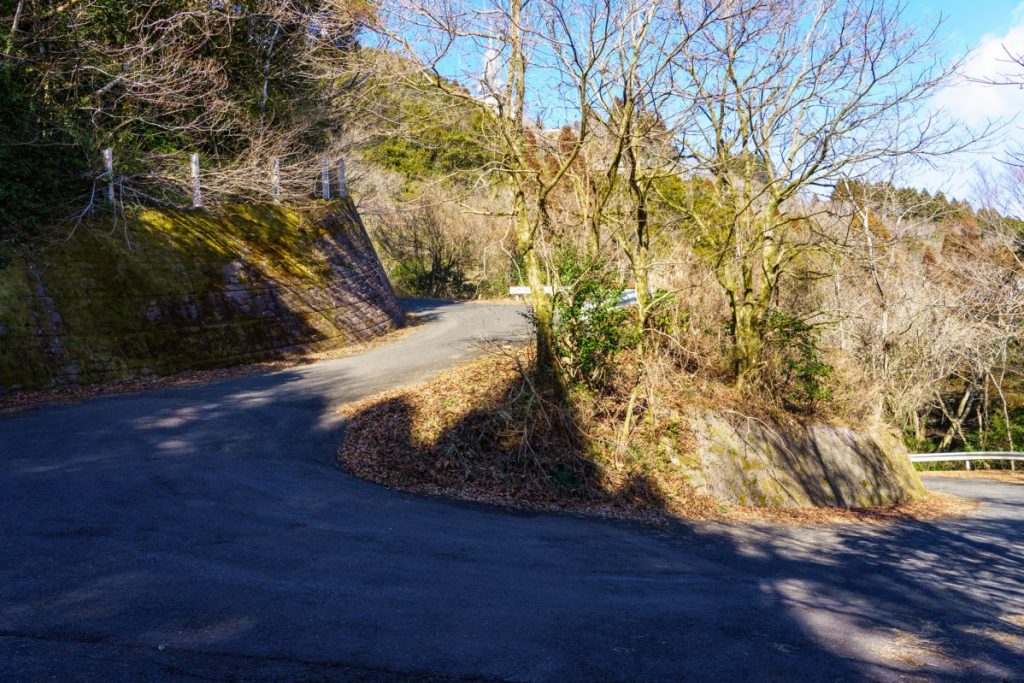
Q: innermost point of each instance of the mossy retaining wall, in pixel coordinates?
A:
(163, 291)
(747, 461)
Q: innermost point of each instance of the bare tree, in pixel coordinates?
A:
(240, 83)
(636, 123)
(792, 96)
(526, 53)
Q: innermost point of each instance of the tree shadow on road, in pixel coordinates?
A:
(159, 535)
(932, 600)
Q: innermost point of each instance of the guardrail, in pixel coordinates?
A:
(627, 298)
(967, 458)
(521, 290)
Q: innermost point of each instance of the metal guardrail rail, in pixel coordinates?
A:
(627, 298)
(1012, 456)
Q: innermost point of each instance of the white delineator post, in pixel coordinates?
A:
(342, 180)
(325, 177)
(108, 166)
(197, 192)
(275, 180)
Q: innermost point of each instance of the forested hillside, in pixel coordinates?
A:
(241, 84)
(748, 168)
(781, 252)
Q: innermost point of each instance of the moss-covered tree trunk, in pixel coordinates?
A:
(526, 225)
(543, 315)
(751, 279)
(543, 311)
(747, 339)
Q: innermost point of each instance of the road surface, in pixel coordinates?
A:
(205, 533)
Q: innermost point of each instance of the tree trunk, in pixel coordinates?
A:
(265, 90)
(14, 29)
(525, 227)
(747, 342)
(919, 433)
(543, 316)
(962, 411)
(747, 317)
(641, 256)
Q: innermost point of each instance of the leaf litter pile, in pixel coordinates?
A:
(482, 433)
(1009, 476)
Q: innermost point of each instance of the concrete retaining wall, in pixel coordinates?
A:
(165, 291)
(746, 461)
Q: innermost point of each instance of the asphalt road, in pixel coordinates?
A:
(204, 533)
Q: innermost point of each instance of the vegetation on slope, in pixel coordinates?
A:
(241, 84)
(483, 433)
(879, 303)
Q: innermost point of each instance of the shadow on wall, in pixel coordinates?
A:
(191, 290)
(748, 461)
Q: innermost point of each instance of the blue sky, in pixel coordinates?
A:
(982, 27)
(969, 20)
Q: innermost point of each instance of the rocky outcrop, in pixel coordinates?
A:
(746, 461)
(166, 291)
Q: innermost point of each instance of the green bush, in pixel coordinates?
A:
(430, 277)
(590, 329)
(795, 370)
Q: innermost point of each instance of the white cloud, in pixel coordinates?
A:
(976, 104)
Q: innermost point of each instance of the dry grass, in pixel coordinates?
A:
(25, 400)
(479, 433)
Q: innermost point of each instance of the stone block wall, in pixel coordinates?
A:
(164, 291)
(748, 461)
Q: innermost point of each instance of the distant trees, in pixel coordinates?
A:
(902, 202)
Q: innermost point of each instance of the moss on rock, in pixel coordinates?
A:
(747, 461)
(166, 290)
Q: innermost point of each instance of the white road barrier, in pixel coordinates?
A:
(1012, 456)
(525, 291)
(628, 297)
